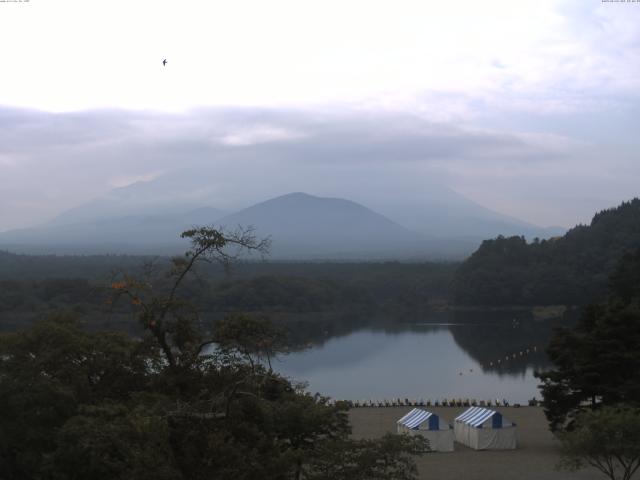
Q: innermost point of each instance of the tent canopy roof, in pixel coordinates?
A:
(417, 417)
(476, 416)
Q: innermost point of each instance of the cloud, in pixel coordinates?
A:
(7, 161)
(256, 134)
(126, 180)
(520, 105)
(229, 158)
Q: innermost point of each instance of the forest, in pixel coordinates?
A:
(305, 298)
(568, 270)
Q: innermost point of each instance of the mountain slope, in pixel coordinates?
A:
(440, 211)
(302, 225)
(572, 269)
(147, 217)
(430, 208)
(166, 195)
(154, 234)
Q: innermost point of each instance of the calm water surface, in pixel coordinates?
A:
(425, 361)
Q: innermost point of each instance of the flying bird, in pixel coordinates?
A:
(164, 62)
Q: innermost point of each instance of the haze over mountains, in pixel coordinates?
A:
(147, 217)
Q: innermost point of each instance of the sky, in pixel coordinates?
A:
(529, 108)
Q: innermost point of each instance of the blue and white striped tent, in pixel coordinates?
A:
(481, 428)
(430, 426)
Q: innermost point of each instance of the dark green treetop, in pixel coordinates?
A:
(598, 361)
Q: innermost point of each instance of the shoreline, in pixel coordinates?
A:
(445, 403)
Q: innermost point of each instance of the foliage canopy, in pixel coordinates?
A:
(176, 403)
(607, 439)
(568, 270)
(598, 361)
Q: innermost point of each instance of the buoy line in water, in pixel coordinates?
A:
(513, 356)
(508, 357)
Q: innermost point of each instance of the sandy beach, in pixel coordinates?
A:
(534, 459)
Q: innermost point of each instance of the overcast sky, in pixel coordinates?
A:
(531, 108)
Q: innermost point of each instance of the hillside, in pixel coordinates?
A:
(305, 226)
(572, 269)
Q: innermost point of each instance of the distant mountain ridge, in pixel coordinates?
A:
(572, 269)
(301, 226)
(139, 219)
(436, 210)
(445, 213)
(165, 195)
(136, 234)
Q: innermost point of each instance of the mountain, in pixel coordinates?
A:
(134, 234)
(166, 195)
(430, 208)
(442, 212)
(305, 226)
(572, 269)
(147, 217)
(301, 227)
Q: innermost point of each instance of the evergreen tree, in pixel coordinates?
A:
(598, 361)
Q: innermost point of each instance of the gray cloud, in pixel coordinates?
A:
(233, 157)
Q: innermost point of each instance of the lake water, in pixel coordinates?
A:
(429, 361)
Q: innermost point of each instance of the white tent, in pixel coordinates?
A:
(484, 429)
(430, 426)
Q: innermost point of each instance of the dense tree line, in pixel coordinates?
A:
(265, 293)
(570, 270)
(92, 267)
(347, 291)
(285, 294)
(49, 294)
(97, 268)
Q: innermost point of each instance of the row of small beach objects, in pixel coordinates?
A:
(454, 402)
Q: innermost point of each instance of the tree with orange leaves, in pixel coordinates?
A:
(164, 314)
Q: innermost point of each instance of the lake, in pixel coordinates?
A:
(426, 360)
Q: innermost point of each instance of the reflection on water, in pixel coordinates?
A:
(465, 359)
